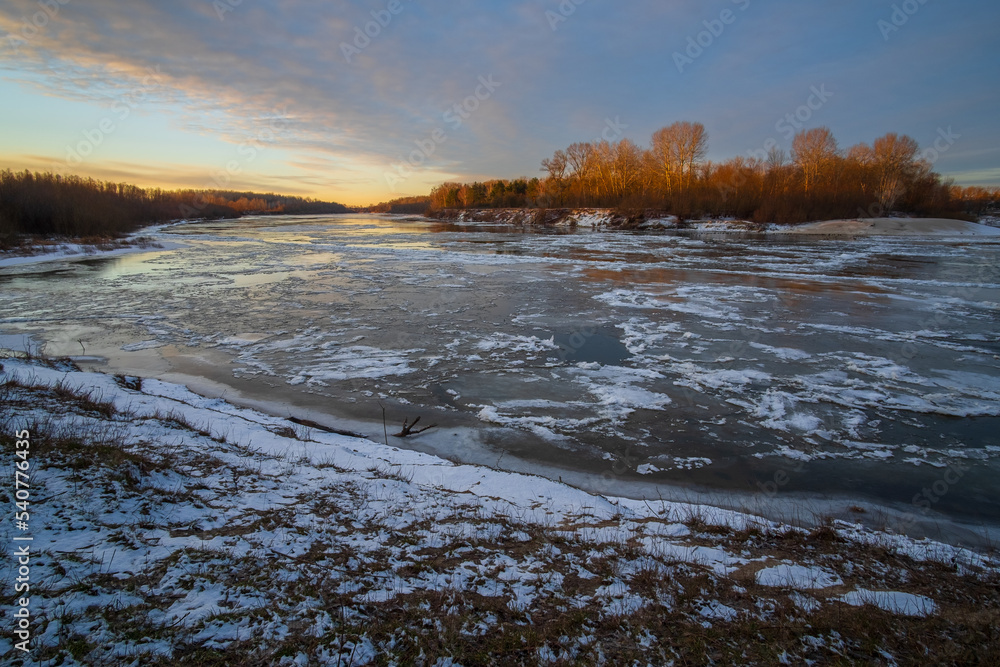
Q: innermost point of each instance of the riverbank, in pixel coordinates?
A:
(167, 526)
(55, 250)
(895, 227)
(597, 218)
(35, 250)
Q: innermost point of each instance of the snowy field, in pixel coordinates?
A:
(167, 527)
(673, 364)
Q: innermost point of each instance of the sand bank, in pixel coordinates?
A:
(895, 227)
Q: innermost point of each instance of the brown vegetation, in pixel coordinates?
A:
(51, 204)
(818, 181)
(402, 206)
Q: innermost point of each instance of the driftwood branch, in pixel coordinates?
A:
(319, 427)
(408, 429)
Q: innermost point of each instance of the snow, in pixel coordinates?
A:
(789, 575)
(906, 604)
(246, 490)
(75, 251)
(895, 226)
(715, 610)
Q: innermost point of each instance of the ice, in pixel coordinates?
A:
(703, 301)
(740, 350)
(703, 378)
(143, 345)
(616, 392)
(775, 409)
(511, 344)
(783, 353)
(18, 343)
(546, 427)
(358, 361)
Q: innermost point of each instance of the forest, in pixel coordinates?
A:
(52, 204)
(817, 181)
(402, 206)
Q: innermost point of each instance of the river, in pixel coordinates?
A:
(687, 362)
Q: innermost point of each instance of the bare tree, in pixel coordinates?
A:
(814, 151)
(817, 181)
(677, 149)
(581, 164)
(893, 160)
(626, 166)
(664, 156)
(555, 184)
(776, 158)
(602, 159)
(579, 157)
(693, 147)
(556, 165)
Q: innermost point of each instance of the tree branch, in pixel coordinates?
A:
(408, 429)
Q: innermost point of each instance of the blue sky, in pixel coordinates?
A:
(279, 96)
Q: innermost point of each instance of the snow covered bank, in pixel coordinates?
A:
(70, 251)
(168, 527)
(589, 218)
(594, 218)
(137, 242)
(611, 219)
(894, 227)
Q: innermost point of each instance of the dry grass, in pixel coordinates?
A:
(446, 571)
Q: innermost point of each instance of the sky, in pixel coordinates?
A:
(364, 101)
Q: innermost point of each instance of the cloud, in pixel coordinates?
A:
(169, 175)
(223, 76)
(977, 177)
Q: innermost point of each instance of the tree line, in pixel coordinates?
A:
(53, 204)
(817, 181)
(401, 206)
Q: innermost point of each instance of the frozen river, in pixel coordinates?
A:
(768, 365)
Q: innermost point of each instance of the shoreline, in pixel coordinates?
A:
(189, 515)
(896, 227)
(610, 219)
(58, 371)
(71, 249)
(801, 509)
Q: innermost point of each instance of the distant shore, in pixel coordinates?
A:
(895, 227)
(70, 248)
(598, 218)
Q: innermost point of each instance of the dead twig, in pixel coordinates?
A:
(385, 432)
(408, 428)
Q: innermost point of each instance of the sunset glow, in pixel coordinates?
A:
(362, 102)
